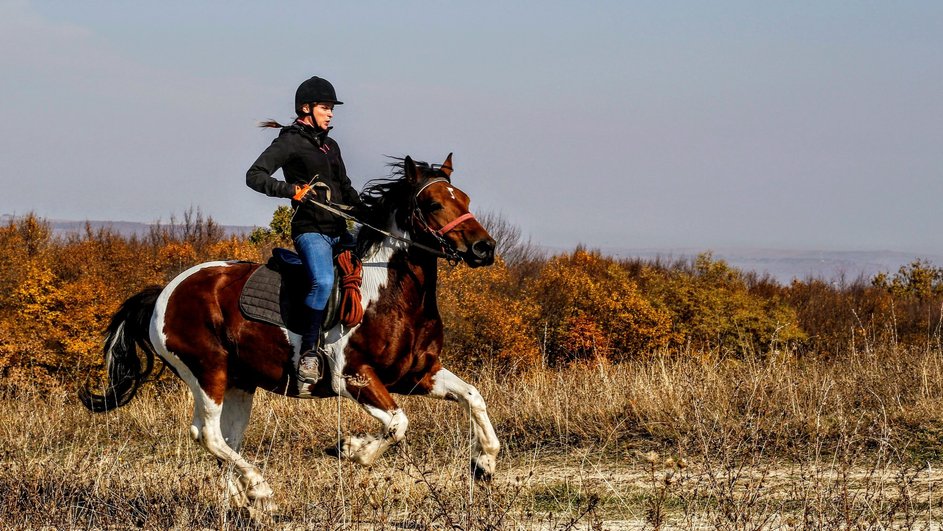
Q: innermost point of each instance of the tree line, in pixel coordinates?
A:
(531, 308)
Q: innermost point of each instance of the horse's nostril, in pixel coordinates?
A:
(483, 248)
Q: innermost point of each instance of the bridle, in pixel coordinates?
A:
(418, 219)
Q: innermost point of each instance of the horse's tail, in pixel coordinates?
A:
(129, 329)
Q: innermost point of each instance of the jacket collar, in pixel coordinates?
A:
(315, 135)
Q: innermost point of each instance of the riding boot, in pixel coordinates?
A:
(311, 364)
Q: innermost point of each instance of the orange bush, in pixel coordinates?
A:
(235, 248)
(21, 242)
(587, 300)
(484, 318)
(61, 292)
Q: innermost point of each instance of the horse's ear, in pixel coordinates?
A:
(410, 170)
(447, 166)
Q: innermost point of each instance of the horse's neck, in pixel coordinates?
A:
(412, 273)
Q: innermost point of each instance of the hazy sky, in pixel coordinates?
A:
(815, 125)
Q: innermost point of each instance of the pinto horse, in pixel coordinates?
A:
(195, 326)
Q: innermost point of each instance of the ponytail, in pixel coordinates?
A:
(271, 123)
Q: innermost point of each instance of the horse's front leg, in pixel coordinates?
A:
(448, 386)
(364, 387)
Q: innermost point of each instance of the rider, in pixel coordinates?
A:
(307, 155)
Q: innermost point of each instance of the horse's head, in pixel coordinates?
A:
(440, 211)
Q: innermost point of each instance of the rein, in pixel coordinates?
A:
(446, 251)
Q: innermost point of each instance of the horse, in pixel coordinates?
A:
(194, 325)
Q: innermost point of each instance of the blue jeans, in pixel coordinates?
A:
(317, 254)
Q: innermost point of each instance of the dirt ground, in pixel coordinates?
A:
(639, 490)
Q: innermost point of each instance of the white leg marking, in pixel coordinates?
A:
(237, 406)
(212, 438)
(447, 385)
(365, 449)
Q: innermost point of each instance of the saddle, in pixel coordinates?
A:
(276, 291)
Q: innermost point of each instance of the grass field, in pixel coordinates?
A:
(672, 442)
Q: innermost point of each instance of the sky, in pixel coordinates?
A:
(661, 124)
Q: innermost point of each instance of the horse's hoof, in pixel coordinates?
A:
(259, 492)
(483, 467)
(333, 451)
(262, 513)
(480, 473)
(264, 506)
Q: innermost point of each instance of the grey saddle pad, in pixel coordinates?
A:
(275, 293)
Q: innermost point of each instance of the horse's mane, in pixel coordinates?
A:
(384, 198)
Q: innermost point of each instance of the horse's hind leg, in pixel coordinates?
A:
(207, 429)
(237, 406)
(485, 446)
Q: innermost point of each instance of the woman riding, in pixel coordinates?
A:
(312, 166)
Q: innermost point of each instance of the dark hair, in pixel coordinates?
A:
(271, 123)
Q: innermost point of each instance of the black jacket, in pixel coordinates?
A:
(303, 152)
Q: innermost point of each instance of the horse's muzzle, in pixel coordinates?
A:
(482, 253)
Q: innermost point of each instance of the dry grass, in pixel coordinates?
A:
(770, 442)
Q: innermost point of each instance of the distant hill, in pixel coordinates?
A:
(787, 265)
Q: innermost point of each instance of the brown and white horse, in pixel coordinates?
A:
(195, 326)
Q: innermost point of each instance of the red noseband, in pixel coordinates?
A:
(452, 224)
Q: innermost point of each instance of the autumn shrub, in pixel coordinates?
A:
(917, 292)
(590, 307)
(520, 254)
(66, 298)
(835, 317)
(899, 308)
(278, 233)
(22, 242)
(487, 317)
(712, 307)
(58, 293)
(27, 284)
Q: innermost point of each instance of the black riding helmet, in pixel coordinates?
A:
(315, 90)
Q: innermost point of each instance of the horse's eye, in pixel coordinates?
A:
(434, 206)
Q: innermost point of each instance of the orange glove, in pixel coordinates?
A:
(301, 192)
